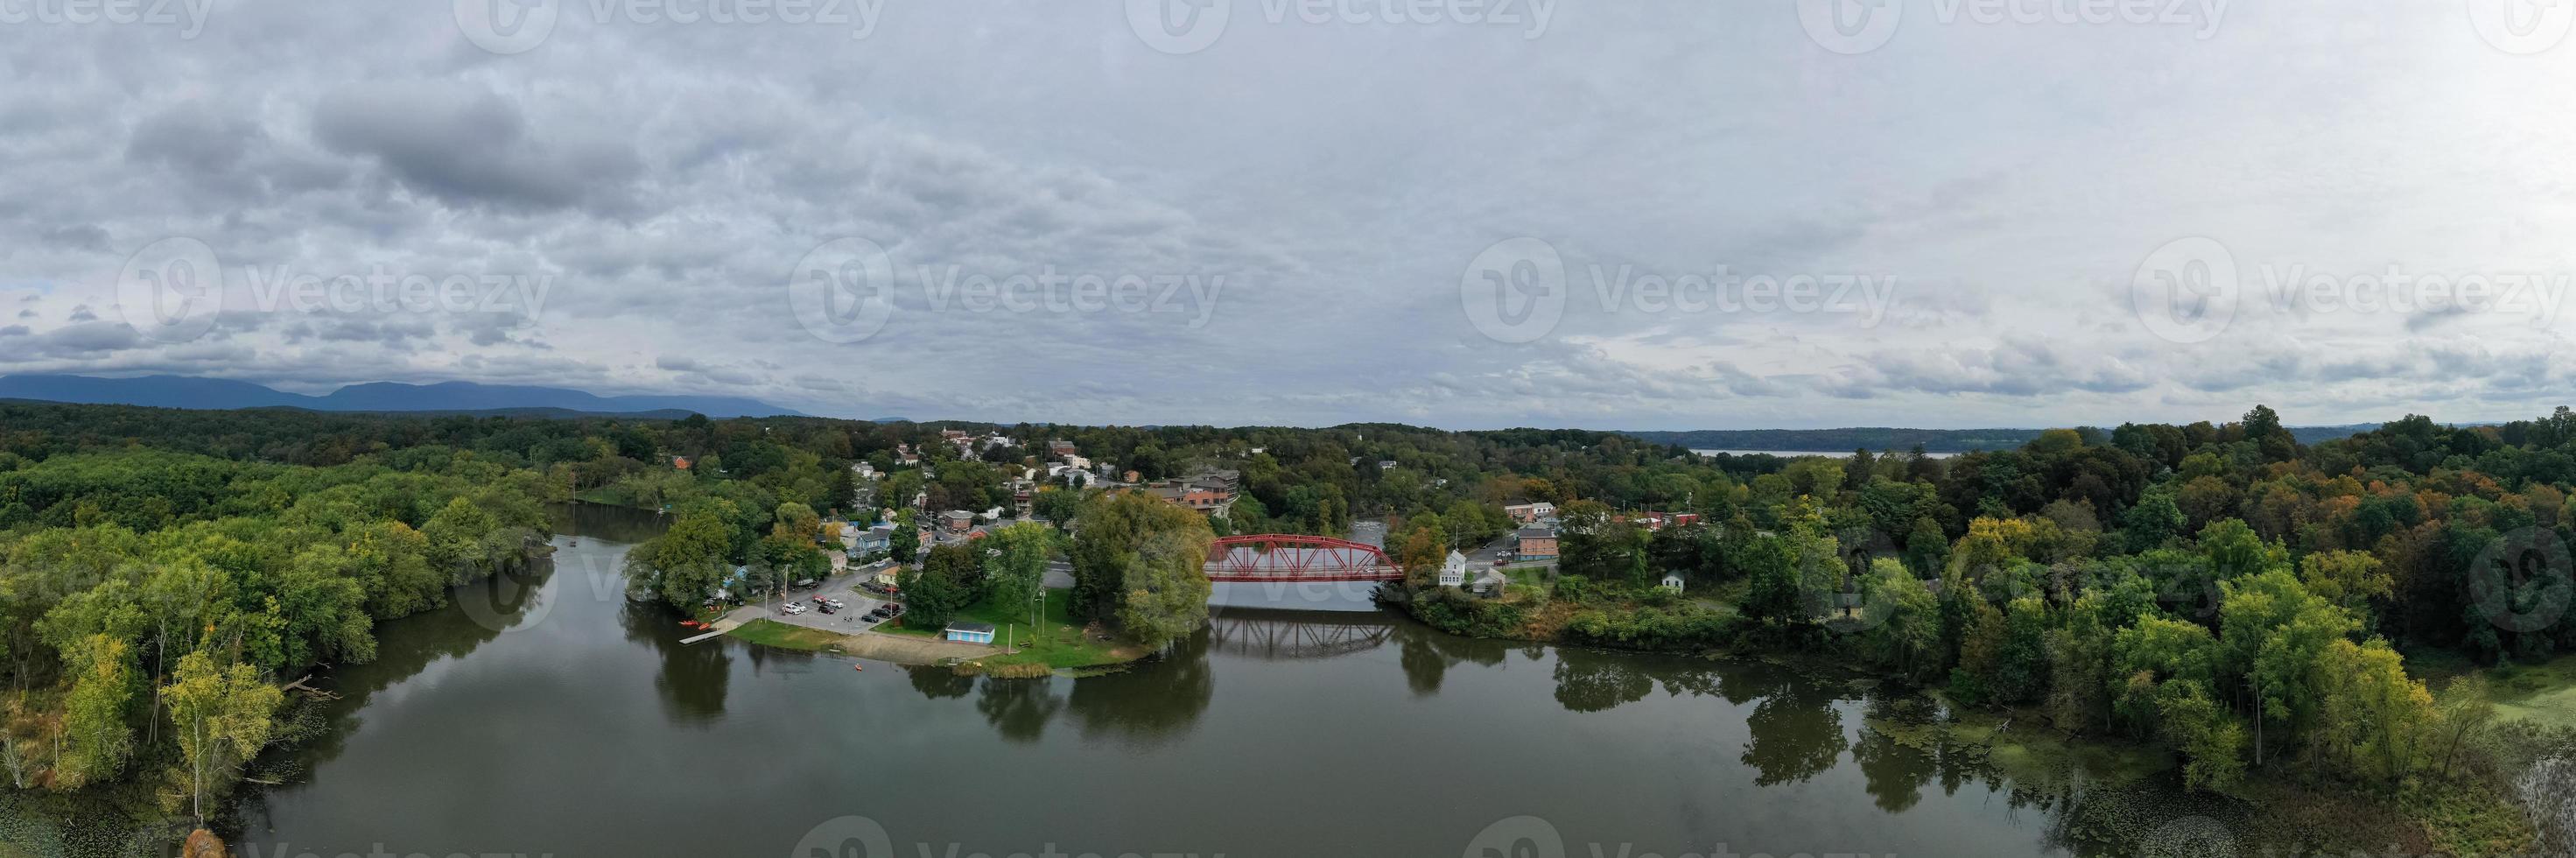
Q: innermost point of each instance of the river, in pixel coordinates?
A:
(558, 718)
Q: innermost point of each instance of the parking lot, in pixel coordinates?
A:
(852, 619)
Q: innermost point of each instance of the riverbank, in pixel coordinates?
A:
(1019, 649)
(1057, 642)
(2108, 787)
(909, 650)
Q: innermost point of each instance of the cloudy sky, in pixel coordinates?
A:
(1633, 215)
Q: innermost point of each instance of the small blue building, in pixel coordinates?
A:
(981, 633)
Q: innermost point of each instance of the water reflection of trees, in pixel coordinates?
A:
(939, 683)
(694, 680)
(403, 651)
(1794, 732)
(1893, 773)
(1426, 656)
(1589, 681)
(1153, 703)
(1019, 709)
(1150, 705)
(609, 523)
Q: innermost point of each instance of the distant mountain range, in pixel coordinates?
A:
(173, 391)
(1885, 438)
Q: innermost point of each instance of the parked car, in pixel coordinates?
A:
(831, 602)
(830, 610)
(804, 584)
(791, 609)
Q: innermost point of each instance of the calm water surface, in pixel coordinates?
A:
(558, 718)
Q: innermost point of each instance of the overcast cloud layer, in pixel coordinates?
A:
(1979, 206)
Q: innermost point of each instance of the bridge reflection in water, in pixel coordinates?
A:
(1277, 635)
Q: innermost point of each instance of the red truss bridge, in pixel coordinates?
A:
(1261, 558)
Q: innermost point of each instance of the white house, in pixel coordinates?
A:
(1673, 581)
(1453, 572)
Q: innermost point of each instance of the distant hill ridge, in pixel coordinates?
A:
(1890, 438)
(174, 391)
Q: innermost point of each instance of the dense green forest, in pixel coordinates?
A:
(153, 602)
(2221, 590)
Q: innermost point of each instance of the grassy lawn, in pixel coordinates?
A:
(778, 634)
(1724, 597)
(1061, 646)
(2543, 693)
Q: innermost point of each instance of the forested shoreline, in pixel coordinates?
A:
(2255, 605)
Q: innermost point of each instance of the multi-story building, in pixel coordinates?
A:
(1526, 513)
(1536, 543)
